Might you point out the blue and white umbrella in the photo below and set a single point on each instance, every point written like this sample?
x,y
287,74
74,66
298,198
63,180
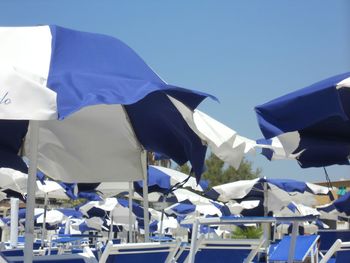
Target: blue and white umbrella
x,y
163,180
91,83
338,208
224,142
117,208
273,194
57,216
312,123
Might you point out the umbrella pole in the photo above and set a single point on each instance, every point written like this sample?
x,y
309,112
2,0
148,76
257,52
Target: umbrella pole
x,y
31,187
145,197
14,222
293,242
130,212
162,217
110,236
44,222
145,209
266,226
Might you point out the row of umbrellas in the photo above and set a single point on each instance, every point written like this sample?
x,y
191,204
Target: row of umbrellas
x,y
66,88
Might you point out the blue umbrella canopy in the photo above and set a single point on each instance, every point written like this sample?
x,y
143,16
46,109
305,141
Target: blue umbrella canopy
x,y
77,77
312,122
339,207
164,180
279,193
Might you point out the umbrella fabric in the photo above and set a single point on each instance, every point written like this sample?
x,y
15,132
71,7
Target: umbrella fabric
x,y
240,189
103,189
60,72
162,180
222,140
14,184
55,190
305,126
339,207
280,193
116,207
56,216
187,207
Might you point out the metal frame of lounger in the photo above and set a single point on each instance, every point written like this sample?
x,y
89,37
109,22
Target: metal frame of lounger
x,y
254,245
338,245
141,248
235,220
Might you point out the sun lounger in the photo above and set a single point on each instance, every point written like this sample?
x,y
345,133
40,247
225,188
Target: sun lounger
x,y
306,246
328,237
140,252
86,257
221,250
342,251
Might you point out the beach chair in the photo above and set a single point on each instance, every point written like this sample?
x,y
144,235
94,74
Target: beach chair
x,y
342,251
305,247
328,237
86,257
140,252
222,250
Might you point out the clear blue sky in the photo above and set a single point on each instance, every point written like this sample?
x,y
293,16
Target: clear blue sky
x,y
243,52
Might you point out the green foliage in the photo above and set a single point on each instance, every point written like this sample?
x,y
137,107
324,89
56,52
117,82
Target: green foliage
x,y
250,232
218,173
184,169
73,203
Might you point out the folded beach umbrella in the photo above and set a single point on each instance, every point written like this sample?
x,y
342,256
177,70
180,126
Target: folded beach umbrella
x,y
164,180
101,100
312,123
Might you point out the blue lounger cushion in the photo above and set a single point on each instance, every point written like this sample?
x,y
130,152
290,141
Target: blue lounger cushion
x,y
303,245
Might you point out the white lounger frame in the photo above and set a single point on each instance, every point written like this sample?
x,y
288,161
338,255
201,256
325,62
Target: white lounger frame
x,y
338,245
121,249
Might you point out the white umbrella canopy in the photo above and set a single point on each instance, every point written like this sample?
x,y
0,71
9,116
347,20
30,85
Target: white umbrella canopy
x,y
222,140
13,180
52,189
92,84
273,194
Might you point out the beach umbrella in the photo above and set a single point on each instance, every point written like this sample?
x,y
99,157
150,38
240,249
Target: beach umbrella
x,y
338,208
86,84
312,123
224,142
164,180
56,216
273,194
116,208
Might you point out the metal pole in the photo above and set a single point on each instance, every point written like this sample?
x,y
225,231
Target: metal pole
x,y
44,222
131,194
31,187
14,222
162,217
145,195
145,210
194,237
110,236
266,226
293,241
